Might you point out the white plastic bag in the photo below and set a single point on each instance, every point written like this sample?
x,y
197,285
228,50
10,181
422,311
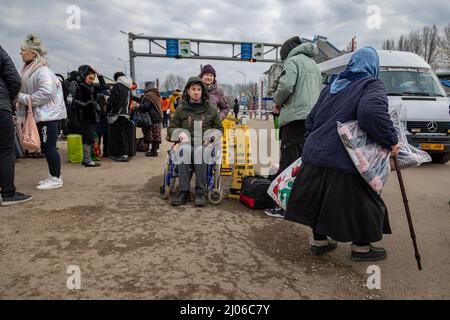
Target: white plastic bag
x,y
409,155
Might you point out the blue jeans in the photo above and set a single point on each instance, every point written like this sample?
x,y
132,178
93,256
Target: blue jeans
x,y
48,132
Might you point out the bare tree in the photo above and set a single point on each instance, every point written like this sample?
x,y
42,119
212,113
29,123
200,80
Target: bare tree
x,y
388,45
445,43
414,43
431,40
228,89
173,82
427,43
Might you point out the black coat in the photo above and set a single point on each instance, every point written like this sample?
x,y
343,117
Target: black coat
x,y
364,100
119,100
148,107
83,104
9,81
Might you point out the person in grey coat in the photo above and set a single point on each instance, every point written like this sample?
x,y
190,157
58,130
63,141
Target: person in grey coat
x,y
9,89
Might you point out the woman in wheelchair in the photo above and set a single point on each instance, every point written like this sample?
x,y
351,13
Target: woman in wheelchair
x,y
196,125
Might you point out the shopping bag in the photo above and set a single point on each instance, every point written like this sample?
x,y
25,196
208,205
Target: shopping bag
x,y
31,141
281,187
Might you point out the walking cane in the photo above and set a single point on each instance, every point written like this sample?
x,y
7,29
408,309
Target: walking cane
x,y
408,213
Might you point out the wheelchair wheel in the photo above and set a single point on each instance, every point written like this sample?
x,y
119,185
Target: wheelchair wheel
x,y
164,189
216,196
164,192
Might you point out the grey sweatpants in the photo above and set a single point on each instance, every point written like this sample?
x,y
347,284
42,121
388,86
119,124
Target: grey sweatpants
x,y
184,157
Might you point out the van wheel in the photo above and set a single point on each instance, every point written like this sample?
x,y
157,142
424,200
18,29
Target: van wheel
x,y
440,157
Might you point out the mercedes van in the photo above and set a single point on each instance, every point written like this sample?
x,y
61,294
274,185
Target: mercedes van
x,y
410,81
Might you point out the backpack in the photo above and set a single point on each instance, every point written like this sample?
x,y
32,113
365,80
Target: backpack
x,y
254,193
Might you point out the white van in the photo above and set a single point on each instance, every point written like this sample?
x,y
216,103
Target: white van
x,y
410,80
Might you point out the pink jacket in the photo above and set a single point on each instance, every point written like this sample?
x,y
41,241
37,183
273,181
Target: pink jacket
x,y
217,99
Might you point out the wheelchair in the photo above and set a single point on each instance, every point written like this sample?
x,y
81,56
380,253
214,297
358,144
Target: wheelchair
x,y
169,186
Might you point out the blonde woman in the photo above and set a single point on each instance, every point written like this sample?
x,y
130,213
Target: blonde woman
x,y
41,85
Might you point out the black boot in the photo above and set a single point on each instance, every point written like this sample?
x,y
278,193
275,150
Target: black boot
x,y
153,152
182,198
200,200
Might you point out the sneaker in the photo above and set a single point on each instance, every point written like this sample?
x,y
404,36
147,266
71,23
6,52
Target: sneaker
x,y
319,250
17,198
44,181
51,183
91,164
121,159
373,254
200,200
275,212
180,199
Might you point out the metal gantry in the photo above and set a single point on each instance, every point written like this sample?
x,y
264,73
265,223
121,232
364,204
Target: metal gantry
x,y
195,50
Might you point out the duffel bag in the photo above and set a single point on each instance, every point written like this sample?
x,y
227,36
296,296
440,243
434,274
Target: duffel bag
x,y
254,193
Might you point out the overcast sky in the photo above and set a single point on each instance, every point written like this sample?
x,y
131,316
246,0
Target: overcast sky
x,y
99,41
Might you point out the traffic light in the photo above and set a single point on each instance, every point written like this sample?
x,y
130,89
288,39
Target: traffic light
x,y
252,60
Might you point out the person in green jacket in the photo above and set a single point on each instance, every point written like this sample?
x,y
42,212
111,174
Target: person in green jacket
x,y
299,88
196,125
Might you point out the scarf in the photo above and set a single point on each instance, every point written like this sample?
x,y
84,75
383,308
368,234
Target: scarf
x,y
29,69
153,96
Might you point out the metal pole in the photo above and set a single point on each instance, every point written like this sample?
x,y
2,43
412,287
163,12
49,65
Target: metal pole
x,y
408,213
131,50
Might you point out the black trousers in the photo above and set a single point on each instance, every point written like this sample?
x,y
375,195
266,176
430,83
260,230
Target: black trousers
x,y
292,140
166,118
7,154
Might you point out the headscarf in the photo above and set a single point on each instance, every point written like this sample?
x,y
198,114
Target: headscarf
x,y
364,63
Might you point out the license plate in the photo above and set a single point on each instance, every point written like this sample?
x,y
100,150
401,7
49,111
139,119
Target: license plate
x,y
432,146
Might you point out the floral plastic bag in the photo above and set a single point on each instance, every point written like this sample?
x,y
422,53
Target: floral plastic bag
x,y
369,158
280,188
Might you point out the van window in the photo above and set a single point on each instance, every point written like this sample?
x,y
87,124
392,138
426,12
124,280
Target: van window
x,y
411,81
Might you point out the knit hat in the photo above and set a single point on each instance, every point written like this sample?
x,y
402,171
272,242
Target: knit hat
x,y
117,75
34,43
207,69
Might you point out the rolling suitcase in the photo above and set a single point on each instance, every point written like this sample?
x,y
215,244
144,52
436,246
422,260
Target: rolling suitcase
x,y
131,139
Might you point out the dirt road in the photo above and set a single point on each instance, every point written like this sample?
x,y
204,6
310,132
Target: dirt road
x,y
129,244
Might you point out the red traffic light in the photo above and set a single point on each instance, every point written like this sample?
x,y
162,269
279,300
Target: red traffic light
x,y
252,60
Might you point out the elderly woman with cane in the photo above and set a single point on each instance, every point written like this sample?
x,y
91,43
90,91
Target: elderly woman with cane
x,y
329,195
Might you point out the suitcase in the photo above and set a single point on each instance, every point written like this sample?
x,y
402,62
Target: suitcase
x,y
130,134
131,137
254,193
